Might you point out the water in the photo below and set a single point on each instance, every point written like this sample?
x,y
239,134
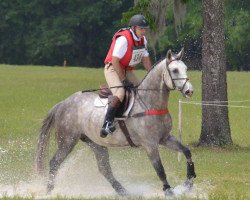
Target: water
x,y
79,177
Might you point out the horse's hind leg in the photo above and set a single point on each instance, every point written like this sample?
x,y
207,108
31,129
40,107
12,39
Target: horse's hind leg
x,y
172,143
102,157
63,151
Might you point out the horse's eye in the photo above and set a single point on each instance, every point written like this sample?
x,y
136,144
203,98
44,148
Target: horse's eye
x,y
175,71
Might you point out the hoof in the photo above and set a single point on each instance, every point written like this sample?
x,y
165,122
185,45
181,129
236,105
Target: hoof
x,y
123,193
169,192
120,190
188,183
49,188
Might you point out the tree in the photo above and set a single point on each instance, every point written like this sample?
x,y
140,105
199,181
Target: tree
x,y
215,123
12,23
237,34
183,31
155,12
78,31
158,10
47,31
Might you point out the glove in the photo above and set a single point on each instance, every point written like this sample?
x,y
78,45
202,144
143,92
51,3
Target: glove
x,y
127,85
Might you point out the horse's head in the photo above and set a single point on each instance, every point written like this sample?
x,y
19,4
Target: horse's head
x,y
175,75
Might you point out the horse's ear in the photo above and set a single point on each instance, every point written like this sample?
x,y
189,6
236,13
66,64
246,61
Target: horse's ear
x,y
169,56
180,54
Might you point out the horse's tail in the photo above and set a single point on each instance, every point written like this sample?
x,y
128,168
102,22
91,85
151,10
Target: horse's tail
x,y
43,140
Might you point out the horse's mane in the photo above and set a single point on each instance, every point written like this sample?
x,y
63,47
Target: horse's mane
x,y
152,68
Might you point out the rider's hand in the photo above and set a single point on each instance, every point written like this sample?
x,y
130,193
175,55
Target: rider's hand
x,y
127,84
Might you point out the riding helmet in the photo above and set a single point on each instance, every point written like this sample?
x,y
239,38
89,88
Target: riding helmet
x,y
138,20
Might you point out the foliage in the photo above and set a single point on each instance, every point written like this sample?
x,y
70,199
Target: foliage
x,y
188,37
237,34
49,31
141,7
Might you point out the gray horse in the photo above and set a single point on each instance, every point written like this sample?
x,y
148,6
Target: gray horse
x,y
76,118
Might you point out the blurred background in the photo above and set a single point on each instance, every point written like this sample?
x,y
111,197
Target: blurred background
x,y
79,32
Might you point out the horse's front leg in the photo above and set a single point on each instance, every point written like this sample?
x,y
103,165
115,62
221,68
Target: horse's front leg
x,y
172,143
154,157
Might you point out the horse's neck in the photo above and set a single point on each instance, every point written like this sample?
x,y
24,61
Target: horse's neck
x,y
153,90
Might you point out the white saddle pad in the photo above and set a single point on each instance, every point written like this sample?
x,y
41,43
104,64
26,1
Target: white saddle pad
x,y
103,102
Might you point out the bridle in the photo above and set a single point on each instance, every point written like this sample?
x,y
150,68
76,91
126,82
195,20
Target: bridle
x,y
174,79
167,70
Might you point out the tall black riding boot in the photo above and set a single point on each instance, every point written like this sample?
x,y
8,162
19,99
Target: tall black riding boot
x,y
108,126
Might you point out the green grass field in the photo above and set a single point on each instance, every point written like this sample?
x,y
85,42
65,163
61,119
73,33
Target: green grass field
x,y
28,92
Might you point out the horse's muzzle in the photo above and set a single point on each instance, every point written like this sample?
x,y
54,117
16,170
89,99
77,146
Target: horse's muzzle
x,y
188,93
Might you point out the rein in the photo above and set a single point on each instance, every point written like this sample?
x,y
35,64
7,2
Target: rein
x,y
148,89
98,89
162,111
135,88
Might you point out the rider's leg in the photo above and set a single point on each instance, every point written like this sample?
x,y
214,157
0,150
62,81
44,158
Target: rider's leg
x,y
114,82
132,77
118,92
108,126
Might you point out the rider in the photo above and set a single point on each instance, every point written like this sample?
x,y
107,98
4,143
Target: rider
x,y
128,49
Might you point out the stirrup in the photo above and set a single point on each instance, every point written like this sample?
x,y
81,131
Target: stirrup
x,y
108,128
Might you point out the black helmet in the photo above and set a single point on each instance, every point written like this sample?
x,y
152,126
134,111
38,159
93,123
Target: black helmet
x,y
138,20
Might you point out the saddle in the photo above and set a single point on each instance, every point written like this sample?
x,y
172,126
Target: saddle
x,y
123,111
105,96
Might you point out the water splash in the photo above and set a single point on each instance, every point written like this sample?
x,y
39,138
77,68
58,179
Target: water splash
x,y
79,178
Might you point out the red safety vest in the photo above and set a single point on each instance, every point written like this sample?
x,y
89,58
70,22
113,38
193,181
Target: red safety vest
x,y
125,60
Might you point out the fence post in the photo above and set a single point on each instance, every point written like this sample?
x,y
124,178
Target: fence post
x,y
180,126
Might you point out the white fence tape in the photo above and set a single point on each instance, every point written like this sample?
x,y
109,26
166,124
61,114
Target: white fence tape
x,y
204,103
216,103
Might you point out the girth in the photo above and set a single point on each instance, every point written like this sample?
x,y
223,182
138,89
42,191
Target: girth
x,y
126,133
105,92
141,114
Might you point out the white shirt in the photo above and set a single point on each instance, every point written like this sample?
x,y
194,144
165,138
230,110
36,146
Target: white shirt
x,y
121,45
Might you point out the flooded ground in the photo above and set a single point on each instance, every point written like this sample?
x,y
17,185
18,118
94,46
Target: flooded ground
x,y
79,178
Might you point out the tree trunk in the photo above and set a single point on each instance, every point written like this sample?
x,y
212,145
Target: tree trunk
x,y
215,123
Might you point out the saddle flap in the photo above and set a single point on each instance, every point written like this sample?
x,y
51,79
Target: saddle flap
x,y
124,109
127,104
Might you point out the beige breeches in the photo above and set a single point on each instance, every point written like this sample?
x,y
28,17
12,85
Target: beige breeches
x,y
113,80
